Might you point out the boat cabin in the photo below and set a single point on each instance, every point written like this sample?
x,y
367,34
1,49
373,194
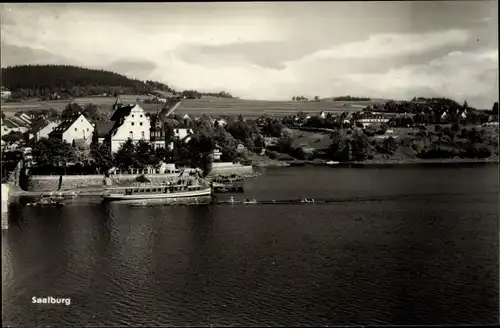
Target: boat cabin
x,y
157,189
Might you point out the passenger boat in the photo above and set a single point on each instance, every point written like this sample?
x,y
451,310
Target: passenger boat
x,y
181,189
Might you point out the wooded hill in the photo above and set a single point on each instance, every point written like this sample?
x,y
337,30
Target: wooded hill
x,y
50,82
66,81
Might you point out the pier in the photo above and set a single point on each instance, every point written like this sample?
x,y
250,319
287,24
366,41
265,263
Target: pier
x,y
220,187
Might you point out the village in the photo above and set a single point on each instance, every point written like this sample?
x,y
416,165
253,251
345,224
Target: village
x,y
239,140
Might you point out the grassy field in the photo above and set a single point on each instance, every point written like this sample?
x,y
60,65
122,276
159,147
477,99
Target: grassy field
x,y
206,105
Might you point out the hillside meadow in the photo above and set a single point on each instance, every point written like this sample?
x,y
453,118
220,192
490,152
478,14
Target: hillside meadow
x,y
206,105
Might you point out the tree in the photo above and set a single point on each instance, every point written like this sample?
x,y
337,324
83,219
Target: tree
x,y
494,109
145,154
82,154
390,145
202,145
70,110
316,98
13,136
293,98
101,156
125,157
95,113
361,149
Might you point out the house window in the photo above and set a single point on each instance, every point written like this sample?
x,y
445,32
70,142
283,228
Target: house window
x,y
132,123
76,129
131,135
142,134
140,123
87,129
132,115
141,115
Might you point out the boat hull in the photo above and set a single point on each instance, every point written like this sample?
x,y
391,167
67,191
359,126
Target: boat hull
x,y
159,196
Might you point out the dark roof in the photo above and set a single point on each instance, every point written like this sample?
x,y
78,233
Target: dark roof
x,y
65,125
40,124
103,129
122,111
18,121
8,123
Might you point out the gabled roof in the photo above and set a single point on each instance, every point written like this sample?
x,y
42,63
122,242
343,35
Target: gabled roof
x,y
19,122
121,112
66,124
103,129
40,124
11,125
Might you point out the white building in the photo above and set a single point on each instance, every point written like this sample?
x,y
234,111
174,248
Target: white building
x,y
10,125
130,122
183,134
74,128
217,154
370,119
42,128
22,118
5,93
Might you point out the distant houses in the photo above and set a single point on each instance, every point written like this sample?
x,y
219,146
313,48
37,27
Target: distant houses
x,y
20,122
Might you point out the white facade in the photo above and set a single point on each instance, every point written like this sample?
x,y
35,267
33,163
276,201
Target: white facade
x,y
182,133
368,121
323,115
44,133
217,154
81,128
11,126
6,94
135,126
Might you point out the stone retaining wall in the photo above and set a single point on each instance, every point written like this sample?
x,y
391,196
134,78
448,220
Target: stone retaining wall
x,y
51,182
248,169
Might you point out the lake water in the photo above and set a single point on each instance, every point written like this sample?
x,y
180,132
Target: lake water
x,y
403,245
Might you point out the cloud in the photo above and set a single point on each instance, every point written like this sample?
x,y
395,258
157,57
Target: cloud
x,y
462,75
391,45
269,51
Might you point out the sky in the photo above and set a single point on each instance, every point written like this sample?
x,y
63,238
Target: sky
x,y
273,51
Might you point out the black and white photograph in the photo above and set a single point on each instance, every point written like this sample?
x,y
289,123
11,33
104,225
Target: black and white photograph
x,y
258,164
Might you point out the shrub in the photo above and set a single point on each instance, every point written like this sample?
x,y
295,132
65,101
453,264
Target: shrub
x,y
142,178
272,154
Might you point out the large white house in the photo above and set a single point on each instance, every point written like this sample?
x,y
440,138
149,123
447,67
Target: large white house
x,y
130,122
76,127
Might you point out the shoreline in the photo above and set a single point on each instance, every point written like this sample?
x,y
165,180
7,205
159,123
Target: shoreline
x,y
97,190
382,162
